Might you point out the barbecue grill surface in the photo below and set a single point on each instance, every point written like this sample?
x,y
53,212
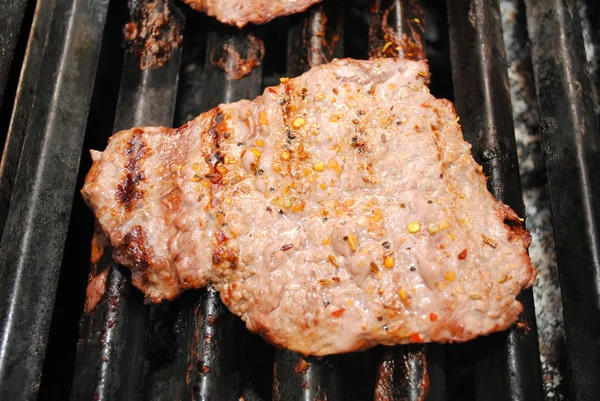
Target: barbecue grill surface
x,y
66,84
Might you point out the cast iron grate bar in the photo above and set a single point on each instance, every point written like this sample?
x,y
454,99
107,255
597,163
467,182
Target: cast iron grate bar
x,y
507,365
31,251
313,39
112,338
571,142
227,77
23,101
226,80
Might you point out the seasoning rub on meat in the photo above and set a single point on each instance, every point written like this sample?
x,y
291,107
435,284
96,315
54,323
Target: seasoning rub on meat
x,y
339,210
242,12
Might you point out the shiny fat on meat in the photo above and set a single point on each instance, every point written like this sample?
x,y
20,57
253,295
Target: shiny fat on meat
x,y
339,210
242,12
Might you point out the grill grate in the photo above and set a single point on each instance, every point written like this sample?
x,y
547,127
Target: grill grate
x,y
482,100
571,138
193,348
37,220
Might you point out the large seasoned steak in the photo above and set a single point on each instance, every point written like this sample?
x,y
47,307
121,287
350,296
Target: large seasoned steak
x,y
242,12
339,210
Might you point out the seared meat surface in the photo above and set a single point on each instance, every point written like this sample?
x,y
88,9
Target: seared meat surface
x,y
242,12
339,210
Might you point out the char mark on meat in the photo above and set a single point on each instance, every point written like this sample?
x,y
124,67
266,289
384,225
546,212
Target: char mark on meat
x,y
128,192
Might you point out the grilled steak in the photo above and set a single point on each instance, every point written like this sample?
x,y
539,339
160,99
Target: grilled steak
x,y
242,12
339,210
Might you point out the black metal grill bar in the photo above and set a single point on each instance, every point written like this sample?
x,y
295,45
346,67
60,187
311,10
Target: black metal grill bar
x,y
32,245
507,364
173,349
412,373
305,378
222,84
402,374
147,98
112,338
110,360
23,101
571,142
436,369
313,39
218,378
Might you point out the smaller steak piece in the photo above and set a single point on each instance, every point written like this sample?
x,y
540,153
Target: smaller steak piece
x,y
339,210
242,12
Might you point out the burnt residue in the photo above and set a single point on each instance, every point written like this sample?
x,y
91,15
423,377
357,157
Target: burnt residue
x,y
128,192
305,377
396,30
402,374
238,61
217,376
302,366
155,31
316,38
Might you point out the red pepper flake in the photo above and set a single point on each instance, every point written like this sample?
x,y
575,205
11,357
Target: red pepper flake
x,y
336,279
216,258
286,247
433,316
338,313
214,178
463,254
416,338
221,237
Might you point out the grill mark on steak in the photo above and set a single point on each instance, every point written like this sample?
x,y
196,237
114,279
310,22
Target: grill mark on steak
x,y
128,192
224,254
285,105
136,245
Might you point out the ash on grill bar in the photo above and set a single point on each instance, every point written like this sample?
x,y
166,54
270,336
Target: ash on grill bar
x,y
67,82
